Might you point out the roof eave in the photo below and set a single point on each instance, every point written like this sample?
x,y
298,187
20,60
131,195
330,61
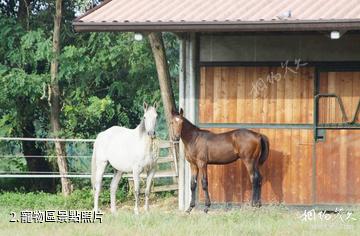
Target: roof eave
x,y
259,26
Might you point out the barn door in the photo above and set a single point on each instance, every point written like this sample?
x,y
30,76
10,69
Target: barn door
x,y
337,137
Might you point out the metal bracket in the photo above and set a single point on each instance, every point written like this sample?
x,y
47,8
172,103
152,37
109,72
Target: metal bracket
x,y
346,124
320,135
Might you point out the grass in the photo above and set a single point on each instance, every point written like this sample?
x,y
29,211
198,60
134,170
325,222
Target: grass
x,y
165,219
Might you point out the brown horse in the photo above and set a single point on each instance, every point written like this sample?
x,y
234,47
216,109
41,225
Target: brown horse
x,y
203,147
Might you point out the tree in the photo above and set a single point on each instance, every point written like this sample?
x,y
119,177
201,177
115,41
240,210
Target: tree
x,y
158,49
22,56
102,78
24,13
55,101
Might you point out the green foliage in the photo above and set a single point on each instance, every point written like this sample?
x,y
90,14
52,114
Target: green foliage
x,y
23,72
104,79
79,199
101,69
82,116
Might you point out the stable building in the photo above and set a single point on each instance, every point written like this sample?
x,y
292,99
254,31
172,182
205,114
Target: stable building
x,y
289,69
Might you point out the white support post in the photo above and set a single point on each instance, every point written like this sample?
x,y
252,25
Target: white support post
x,y
191,65
187,98
189,77
182,161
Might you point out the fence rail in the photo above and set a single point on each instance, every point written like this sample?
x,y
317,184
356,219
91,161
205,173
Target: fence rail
x,y
47,139
157,175
31,156
31,174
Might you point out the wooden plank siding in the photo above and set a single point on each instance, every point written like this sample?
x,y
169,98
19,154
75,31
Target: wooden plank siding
x,y
338,157
337,166
287,175
227,95
346,85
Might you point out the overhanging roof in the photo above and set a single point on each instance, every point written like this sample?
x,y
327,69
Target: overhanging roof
x,y
221,15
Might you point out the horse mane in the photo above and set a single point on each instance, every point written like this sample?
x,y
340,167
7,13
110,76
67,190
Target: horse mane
x,y
189,130
141,127
189,124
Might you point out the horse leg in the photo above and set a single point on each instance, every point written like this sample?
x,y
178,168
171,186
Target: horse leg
x,y
194,176
149,178
258,182
100,168
136,177
204,184
255,179
113,188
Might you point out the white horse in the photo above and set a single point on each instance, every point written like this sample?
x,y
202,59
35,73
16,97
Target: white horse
x,y
127,150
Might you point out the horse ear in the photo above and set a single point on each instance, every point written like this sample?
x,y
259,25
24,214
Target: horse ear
x,y
181,112
145,106
156,105
173,112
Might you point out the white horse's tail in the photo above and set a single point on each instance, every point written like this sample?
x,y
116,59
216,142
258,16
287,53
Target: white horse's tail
x,y
93,167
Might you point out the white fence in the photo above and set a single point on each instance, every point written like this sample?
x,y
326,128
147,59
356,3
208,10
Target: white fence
x,y
31,174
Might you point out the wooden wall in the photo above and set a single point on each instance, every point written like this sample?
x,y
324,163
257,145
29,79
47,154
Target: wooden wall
x,y
344,84
338,157
338,167
287,174
225,97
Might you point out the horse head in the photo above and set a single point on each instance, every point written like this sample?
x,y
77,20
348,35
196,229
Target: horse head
x,y
150,117
177,120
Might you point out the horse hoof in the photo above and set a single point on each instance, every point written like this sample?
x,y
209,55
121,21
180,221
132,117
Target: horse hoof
x,y
188,210
206,210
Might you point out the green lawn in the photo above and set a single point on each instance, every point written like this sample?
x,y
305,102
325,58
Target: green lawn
x,y
165,219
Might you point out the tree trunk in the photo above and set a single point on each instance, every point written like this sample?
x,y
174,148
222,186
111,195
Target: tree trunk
x,y
55,101
26,117
167,95
23,13
158,49
36,163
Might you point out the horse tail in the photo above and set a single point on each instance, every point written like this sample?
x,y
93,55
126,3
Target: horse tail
x,y
264,149
93,166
